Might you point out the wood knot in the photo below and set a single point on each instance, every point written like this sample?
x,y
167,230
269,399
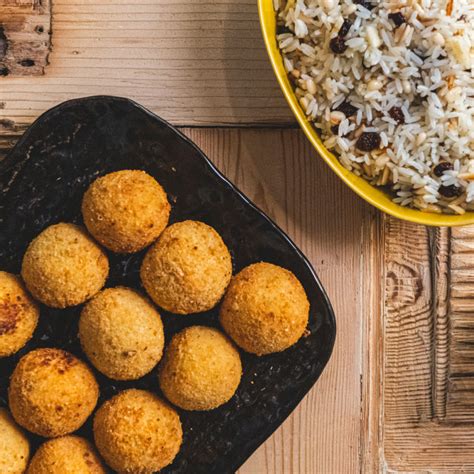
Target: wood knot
x,y
404,285
3,43
26,63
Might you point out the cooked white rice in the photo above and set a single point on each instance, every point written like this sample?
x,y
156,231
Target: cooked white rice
x,y
406,68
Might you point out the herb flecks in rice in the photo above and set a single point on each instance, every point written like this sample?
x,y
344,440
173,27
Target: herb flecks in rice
x,y
390,86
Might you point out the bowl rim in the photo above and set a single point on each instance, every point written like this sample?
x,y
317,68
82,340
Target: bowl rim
x,y
363,188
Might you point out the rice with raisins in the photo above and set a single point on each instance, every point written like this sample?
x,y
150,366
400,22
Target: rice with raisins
x,y
390,87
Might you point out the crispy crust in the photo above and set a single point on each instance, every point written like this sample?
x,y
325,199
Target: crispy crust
x,y
126,210
52,392
137,433
121,333
14,446
265,309
201,369
66,455
188,269
63,266
18,315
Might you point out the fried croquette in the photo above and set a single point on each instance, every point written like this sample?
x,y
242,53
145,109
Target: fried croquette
x,y
52,392
18,315
126,210
188,269
136,432
201,369
121,333
63,266
66,455
265,309
14,446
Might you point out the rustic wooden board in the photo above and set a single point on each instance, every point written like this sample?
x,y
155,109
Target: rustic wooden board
x,y
24,37
428,385
194,63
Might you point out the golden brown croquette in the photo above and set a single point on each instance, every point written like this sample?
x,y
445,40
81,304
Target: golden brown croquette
x,y
63,266
137,433
188,269
265,309
14,446
121,333
66,455
18,315
52,392
126,210
201,369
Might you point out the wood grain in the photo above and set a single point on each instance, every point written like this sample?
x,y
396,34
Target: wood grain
x,y
24,37
460,401
428,367
193,63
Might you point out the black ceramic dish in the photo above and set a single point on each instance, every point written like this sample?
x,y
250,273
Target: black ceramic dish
x,y
42,182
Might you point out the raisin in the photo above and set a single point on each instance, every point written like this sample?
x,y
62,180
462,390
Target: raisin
x,y
365,4
397,18
4,71
441,168
449,191
338,45
281,29
347,109
421,55
335,129
397,114
346,26
368,141
26,63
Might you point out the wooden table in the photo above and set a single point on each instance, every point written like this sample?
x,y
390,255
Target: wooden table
x,y
398,394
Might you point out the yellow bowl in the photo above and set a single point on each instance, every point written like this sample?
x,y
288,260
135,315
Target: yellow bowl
x,y
370,193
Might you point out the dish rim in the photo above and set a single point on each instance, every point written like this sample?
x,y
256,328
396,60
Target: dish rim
x,y
245,453
374,196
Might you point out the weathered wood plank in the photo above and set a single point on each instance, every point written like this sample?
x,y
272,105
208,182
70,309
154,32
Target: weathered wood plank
x,y
440,259
371,441
408,328
428,387
24,37
195,63
460,402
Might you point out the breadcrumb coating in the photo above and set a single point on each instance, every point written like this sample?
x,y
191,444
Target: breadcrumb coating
x,y
201,369
66,455
121,333
14,446
18,315
137,433
126,210
188,269
63,266
52,392
265,309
